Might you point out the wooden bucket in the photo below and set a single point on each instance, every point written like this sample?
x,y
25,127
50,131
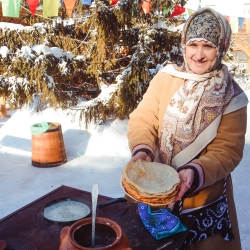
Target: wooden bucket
x,y
48,148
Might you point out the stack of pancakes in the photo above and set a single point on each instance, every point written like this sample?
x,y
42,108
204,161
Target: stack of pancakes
x,y
152,183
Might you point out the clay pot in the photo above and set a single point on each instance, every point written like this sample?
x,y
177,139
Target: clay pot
x,y
108,234
3,245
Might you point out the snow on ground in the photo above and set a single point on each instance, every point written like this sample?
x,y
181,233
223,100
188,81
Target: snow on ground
x,y
94,156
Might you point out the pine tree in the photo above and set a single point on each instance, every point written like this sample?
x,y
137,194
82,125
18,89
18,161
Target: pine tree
x,y
70,63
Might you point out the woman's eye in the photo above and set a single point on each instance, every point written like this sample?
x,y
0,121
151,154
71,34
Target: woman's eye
x,y
208,46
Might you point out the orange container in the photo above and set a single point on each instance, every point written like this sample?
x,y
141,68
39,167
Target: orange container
x,y
72,237
48,148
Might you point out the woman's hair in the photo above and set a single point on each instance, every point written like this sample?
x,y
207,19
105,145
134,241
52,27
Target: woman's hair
x,y
208,25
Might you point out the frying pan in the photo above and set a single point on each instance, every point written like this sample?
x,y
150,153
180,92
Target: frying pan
x,y
66,210
61,209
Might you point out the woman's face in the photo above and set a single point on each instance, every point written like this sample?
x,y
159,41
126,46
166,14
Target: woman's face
x,y
200,56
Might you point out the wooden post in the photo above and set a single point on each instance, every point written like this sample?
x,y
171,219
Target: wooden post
x,y
247,22
247,25
3,111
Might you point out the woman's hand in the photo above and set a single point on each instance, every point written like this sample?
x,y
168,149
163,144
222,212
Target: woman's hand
x,y
187,178
141,155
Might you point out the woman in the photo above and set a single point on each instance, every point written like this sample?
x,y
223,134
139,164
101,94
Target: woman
x,y
194,118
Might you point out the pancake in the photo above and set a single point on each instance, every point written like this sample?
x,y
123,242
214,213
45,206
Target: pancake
x,y
150,182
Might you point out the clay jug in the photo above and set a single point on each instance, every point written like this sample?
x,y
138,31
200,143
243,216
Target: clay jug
x,y
108,234
3,245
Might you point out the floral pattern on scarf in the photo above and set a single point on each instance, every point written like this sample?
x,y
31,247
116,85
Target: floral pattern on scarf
x,y
192,109
197,103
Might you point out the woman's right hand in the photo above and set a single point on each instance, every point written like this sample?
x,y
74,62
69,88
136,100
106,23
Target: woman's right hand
x,y
141,155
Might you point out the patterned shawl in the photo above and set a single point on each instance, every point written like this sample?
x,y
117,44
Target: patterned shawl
x,y
194,113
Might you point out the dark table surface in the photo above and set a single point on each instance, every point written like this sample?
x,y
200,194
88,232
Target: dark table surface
x,y
27,229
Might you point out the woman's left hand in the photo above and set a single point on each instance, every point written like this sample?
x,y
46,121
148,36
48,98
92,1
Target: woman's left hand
x,y
187,178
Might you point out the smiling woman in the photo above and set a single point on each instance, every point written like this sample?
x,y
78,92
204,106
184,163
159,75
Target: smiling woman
x,y
193,118
200,56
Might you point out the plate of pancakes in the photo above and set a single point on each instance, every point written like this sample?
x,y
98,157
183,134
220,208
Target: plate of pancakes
x,y
152,183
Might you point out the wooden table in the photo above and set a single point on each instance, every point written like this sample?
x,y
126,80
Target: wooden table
x,y
27,229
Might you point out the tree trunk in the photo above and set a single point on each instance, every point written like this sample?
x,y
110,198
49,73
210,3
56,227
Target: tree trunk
x,y
3,111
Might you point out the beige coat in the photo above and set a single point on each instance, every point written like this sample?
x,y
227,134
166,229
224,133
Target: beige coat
x,y
218,159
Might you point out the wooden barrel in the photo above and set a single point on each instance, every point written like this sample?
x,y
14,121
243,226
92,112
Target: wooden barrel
x,y
48,148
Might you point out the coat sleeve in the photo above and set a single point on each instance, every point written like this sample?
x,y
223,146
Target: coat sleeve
x,y
143,124
225,152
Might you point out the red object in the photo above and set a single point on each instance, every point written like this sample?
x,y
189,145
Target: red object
x,y
113,2
228,18
3,244
178,10
146,6
33,4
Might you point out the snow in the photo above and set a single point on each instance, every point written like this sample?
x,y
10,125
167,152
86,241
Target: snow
x,y
97,155
4,51
5,26
159,25
94,156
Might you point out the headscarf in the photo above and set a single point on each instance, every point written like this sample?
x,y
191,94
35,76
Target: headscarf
x,y
194,113
208,25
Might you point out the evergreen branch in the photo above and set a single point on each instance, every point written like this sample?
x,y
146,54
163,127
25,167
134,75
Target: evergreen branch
x,y
84,38
63,81
115,70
